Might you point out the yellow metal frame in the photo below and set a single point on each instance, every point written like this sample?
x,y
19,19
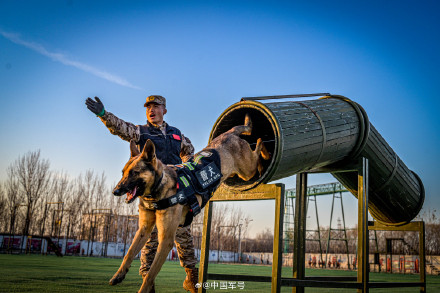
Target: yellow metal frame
x,y
299,281
416,226
262,192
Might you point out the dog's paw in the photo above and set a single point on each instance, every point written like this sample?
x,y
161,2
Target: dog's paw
x,y
116,279
147,289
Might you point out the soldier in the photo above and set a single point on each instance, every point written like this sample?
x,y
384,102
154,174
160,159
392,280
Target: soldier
x,y
171,148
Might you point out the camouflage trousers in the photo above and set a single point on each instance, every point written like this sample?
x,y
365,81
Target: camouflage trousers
x,y
184,245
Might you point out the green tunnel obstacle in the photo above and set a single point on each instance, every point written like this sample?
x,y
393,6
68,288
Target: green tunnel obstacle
x,y
327,134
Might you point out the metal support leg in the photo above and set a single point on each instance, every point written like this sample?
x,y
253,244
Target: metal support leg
x,y
204,255
422,266
278,243
329,237
299,236
363,235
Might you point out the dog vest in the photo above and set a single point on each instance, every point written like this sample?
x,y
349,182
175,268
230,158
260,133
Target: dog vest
x,y
167,146
200,175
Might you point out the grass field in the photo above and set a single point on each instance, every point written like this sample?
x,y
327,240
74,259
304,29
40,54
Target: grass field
x,y
35,273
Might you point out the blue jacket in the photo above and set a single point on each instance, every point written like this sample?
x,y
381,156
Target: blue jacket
x,y
167,146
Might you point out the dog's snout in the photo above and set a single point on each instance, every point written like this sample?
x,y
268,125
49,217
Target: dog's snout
x,y
117,192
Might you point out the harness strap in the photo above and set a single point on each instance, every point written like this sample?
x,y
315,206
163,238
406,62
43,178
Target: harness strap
x,y
194,178
170,201
183,196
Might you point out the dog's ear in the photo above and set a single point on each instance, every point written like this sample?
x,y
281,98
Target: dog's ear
x,y
134,149
149,151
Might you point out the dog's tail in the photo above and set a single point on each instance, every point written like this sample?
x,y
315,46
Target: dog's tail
x,y
248,121
245,129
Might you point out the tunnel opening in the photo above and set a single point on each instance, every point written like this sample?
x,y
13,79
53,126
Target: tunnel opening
x,y
263,126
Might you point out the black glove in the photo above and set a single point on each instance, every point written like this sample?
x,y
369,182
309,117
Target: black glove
x,y
96,107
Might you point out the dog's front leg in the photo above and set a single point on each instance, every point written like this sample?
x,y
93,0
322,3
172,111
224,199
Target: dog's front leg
x,y
146,224
166,223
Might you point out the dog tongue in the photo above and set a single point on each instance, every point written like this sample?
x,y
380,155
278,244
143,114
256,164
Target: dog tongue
x,y
130,195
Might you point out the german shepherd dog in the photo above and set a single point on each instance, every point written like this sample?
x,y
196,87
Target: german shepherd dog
x,y
146,177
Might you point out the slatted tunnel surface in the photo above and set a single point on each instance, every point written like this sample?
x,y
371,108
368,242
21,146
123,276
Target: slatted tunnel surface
x,y
332,131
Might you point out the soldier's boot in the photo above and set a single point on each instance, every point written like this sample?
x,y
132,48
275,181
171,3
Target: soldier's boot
x,y
192,278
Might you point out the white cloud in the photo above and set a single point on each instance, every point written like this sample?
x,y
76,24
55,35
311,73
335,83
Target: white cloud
x,y
15,38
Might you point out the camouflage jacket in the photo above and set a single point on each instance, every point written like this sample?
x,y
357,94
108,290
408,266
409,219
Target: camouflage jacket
x,y
128,131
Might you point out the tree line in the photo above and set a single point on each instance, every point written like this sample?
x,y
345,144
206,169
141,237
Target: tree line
x,y
35,200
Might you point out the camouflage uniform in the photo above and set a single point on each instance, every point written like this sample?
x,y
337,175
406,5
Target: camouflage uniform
x,y
184,241
184,245
128,131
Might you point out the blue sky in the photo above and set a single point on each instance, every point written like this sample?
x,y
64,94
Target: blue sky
x,y
204,56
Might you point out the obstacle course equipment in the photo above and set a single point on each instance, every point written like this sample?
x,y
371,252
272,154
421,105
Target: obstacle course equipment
x,y
329,134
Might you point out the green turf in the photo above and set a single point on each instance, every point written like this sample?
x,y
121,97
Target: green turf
x,y
35,273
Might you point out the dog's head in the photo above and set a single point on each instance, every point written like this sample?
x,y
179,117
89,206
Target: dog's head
x,y
141,174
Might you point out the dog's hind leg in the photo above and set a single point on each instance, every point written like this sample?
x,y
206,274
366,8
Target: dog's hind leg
x,y
250,162
146,224
261,149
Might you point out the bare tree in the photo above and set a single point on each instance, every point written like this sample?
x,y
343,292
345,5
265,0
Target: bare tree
x,y
226,222
264,241
93,195
11,190
93,188
69,192
432,232
28,194
3,208
59,192
33,176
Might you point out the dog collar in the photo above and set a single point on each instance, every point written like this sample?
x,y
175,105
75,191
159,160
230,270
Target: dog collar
x,y
156,184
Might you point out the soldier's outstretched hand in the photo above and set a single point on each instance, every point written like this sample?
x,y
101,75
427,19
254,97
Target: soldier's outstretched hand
x,y
96,106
